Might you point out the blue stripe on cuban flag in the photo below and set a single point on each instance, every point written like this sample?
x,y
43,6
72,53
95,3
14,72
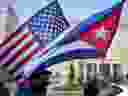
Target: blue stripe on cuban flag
x,y
84,25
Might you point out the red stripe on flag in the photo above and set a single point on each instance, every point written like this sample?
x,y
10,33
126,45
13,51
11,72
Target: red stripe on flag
x,y
23,49
22,38
29,57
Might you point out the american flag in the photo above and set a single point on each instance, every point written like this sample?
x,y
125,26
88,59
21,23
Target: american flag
x,y
101,27
45,26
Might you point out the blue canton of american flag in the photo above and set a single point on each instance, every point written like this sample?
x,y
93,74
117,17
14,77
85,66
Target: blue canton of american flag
x,y
48,23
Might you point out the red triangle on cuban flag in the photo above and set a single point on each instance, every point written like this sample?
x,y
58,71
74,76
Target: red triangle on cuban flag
x,y
99,29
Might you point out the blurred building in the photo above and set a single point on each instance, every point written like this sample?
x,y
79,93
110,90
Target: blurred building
x,y
115,71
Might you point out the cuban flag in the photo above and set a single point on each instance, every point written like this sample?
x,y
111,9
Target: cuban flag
x,y
100,28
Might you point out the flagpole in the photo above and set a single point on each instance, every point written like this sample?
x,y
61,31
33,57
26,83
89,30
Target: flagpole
x,y
115,27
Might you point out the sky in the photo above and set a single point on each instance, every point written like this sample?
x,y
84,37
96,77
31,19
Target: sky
x,y
73,8
70,7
